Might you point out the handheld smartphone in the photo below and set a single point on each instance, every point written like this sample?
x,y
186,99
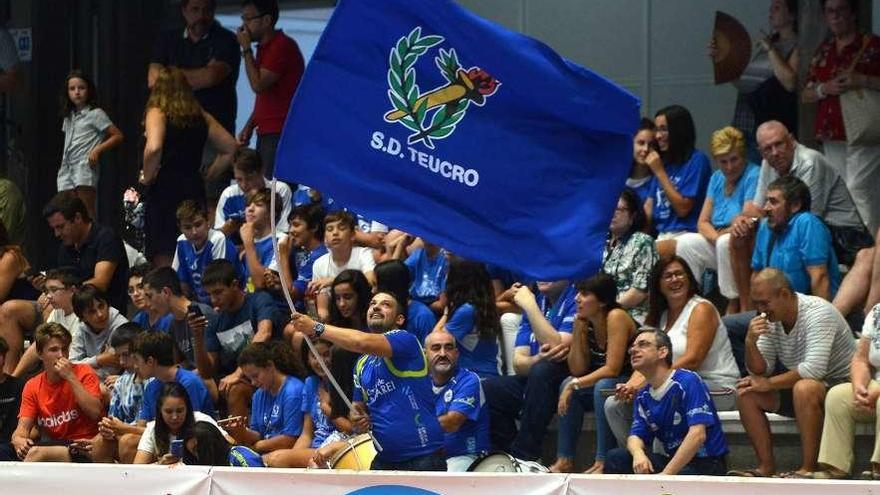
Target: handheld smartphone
x,y
177,448
194,309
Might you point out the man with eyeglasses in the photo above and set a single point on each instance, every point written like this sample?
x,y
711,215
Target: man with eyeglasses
x,y
274,74
676,409
19,318
831,200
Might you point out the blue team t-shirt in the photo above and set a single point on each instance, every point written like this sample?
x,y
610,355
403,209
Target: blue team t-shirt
x,y
804,242
142,318
560,315
280,414
464,394
241,456
190,262
476,354
691,180
311,404
198,394
683,402
231,332
400,400
726,208
428,275
125,401
420,320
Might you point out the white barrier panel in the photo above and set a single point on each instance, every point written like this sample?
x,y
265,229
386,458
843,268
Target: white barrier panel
x,y
108,479
18,478
231,481
711,485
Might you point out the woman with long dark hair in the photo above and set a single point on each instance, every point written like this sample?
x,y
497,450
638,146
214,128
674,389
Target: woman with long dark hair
x,y
640,174
13,266
471,316
206,446
630,254
350,294
597,362
681,175
174,419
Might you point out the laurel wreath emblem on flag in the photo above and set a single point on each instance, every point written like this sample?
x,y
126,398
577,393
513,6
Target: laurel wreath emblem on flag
x,y
449,103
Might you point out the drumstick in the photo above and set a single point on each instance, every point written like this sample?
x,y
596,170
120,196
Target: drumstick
x,y
286,290
225,421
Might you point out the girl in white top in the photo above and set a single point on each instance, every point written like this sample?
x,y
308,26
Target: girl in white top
x,y
174,419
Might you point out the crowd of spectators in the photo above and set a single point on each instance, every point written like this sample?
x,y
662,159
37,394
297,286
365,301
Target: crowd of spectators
x,y
754,288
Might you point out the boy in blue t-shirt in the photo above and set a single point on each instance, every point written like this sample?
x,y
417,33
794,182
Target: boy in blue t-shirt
x,y
298,251
147,317
153,356
676,409
256,237
428,266
197,246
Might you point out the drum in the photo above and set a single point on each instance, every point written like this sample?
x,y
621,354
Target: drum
x,y
357,455
502,462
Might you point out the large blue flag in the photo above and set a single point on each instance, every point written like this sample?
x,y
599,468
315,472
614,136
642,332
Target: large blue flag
x,y
427,118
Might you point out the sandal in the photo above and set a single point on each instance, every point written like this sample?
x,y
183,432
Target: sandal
x,y
748,473
798,475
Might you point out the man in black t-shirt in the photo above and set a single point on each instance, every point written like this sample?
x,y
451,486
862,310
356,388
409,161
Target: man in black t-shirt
x,y
10,401
94,250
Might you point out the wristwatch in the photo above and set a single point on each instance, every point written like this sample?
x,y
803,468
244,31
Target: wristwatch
x,y
575,385
319,329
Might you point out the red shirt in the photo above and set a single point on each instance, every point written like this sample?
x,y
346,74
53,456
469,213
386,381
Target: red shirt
x,y
826,65
54,408
280,55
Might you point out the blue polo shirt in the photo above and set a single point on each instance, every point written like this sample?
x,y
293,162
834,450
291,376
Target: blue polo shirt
x,y
400,400
476,354
428,275
560,315
691,180
804,242
198,394
668,412
279,414
725,208
464,394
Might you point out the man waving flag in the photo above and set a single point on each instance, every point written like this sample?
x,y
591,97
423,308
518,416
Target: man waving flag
x,y
427,118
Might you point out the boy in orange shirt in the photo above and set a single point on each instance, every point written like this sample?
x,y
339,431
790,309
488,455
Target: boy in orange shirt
x,y
64,401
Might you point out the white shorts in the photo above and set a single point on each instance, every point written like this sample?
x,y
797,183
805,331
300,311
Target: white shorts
x,y
77,175
701,255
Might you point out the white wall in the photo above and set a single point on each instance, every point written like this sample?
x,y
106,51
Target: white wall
x,y
654,48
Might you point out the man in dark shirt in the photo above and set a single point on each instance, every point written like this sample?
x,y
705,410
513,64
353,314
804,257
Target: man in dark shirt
x,y
10,401
94,250
208,56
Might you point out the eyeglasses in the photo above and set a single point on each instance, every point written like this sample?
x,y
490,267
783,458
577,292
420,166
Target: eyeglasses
x,y
52,290
641,344
670,276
